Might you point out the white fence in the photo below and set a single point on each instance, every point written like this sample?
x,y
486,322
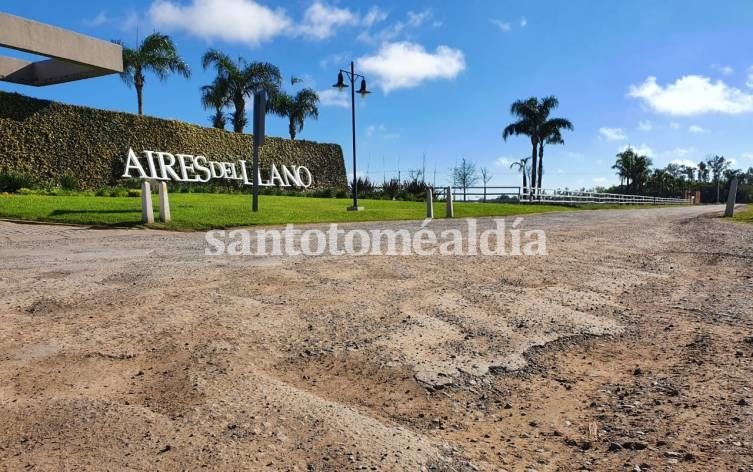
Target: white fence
x,y
526,195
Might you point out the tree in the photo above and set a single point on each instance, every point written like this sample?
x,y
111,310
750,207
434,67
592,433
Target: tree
x,y
296,108
214,97
534,122
550,130
633,169
717,165
464,175
703,172
523,168
242,79
527,125
156,54
486,177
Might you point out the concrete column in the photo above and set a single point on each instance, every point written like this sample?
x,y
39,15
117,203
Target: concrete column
x,y
450,210
429,204
164,203
729,211
147,213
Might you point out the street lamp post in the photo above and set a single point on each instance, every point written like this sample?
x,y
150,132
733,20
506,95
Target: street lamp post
x,y
362,90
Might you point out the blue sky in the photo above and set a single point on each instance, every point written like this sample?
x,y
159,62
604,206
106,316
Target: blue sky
x,y
672,78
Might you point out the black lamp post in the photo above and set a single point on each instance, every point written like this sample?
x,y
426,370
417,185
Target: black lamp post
x,y
341,85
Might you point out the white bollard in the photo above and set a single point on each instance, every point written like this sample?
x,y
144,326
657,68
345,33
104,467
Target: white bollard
x,y
147,213
429,204
450,210
164,203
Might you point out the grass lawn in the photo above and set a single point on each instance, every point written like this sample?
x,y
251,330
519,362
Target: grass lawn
x,y
200,211
745,215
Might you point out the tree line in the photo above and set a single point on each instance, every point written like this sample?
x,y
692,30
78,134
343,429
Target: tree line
x,y
711,177
236,82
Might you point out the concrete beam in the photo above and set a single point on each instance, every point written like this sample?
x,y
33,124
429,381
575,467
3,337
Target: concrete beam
x,y
73,56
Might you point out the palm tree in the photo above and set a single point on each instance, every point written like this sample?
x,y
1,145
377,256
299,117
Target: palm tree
x,y
214,97
296,108
550,130
527,125
156,54
522,166
534,122
243,79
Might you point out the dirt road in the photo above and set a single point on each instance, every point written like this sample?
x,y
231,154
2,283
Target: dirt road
x,y
628,347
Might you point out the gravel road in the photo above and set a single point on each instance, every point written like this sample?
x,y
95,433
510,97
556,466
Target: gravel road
x,y
628,347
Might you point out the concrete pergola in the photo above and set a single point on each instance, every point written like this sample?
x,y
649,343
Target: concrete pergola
x,y
72,56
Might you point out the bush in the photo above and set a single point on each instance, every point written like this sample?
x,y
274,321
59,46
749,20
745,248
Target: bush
x,y
12,181
119,192
69,181
134,192
26,191
104,192
391,188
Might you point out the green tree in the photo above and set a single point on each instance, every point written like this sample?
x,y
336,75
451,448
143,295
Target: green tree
x,y
533,121
523,168
242,80
296,108
717,165
215,97
156,54
633,169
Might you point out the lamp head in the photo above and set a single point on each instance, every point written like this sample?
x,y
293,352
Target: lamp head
x,y
363,90
340,82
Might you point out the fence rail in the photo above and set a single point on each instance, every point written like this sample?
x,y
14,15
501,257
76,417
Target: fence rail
x,y
525,195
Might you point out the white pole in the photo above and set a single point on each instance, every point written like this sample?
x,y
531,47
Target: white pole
x,y
147,213
164,203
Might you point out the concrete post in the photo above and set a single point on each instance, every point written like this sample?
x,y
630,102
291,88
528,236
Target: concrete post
x,y
164,203
147,213
729,211
450,210
429,204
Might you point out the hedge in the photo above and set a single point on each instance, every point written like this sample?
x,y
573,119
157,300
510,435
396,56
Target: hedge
x,y
48,139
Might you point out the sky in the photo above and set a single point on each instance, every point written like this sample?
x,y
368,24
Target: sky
x,y
673,79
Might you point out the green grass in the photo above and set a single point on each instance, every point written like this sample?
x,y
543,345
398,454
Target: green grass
x,y
198,211
745,215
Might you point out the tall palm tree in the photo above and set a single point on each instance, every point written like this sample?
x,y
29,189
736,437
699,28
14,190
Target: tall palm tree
x,y
296,108
243,79
156,54
550,130
214,96
534,122
527,125
522,166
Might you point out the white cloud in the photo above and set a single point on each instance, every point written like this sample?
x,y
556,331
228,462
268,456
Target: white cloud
x,y
320,21
692,95
502,25
674,125
613,134
333,98
724,70
642,150
238,21
684,162
678,152
560,171
405,64
645,125
98,20
412,20
382,132
373,16
749,82
600,180
505,161
523,22
747,155
697,129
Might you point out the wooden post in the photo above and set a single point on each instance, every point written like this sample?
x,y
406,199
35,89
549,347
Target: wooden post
x,y
147,213
429,204
730,210
164,203
450,210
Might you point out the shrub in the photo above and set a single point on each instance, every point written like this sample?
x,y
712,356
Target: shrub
x,y
69,181
103,192
26,191
119,192
134,192
391,188
12,181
